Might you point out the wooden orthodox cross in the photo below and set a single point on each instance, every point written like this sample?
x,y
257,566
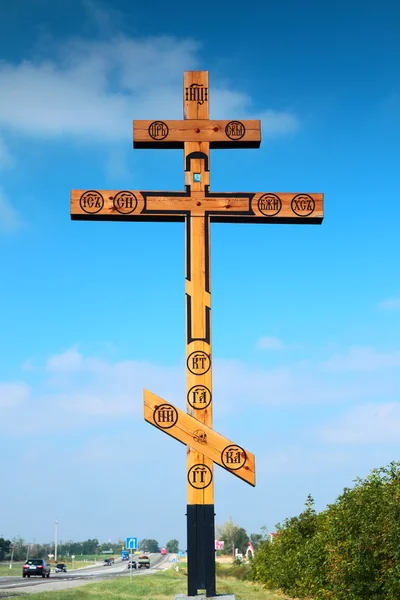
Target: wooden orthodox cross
x,y
197,207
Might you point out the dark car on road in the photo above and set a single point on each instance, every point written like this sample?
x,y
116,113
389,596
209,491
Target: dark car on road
x,y
61,568
133,563
108,562
36,566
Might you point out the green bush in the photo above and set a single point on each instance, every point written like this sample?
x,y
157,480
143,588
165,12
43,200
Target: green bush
x,y
364,538
350,551
237,570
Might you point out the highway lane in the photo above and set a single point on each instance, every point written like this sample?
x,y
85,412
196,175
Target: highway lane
x,y
75,577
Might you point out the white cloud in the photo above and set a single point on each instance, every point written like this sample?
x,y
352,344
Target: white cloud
x,y
6,160
68,361
363,358
302,383
13,395
390,304
10,221
275,123
270,343
74,391
365,424
92,408
106,18
92,90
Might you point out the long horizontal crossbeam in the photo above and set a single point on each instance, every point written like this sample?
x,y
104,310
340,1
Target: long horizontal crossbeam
x,y
227,207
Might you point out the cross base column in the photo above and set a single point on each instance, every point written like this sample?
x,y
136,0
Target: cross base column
x,y
203,597
201,549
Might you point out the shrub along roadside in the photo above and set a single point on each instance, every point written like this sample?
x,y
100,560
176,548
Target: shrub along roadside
x,y
237,571
350,551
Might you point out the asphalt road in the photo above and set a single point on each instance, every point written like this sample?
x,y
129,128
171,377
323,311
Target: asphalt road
x,y
73,578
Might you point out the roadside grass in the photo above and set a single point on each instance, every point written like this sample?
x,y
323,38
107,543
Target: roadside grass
x,y
78,564
97,557
162,586
15,570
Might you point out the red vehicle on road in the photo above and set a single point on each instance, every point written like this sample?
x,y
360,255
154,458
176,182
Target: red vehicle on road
x,y
163,551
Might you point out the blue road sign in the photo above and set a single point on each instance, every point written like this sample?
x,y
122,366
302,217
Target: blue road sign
x,y
131,543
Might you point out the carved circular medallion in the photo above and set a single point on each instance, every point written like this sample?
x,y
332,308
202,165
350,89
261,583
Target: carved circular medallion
x,y
233,457
303,205
199,397
198,362
125,202
165,416
199,476
269,205
158,130
235,130
91,202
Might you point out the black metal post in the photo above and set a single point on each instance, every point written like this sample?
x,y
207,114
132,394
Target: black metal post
x,y
201,549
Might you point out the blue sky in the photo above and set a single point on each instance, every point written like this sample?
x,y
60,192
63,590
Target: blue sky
x,y
305,319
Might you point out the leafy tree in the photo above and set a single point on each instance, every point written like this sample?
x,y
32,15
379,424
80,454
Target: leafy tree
x,y
350,551
231,534
19,546
256,539
364,538
149,546
105,546
75,548
242,540
5,547
90,546
295,561
172,546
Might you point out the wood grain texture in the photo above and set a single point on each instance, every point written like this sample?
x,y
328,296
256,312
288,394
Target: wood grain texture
x,y
196,164
173,134
198,345
228,207
198,207
200,437
196,95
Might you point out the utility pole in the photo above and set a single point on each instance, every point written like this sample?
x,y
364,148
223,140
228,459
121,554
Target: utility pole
x,y
55,539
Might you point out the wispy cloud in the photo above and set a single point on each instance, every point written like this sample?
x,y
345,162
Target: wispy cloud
x,y
390,304
92,406
363,358
270,343
74,391
69,361
277,123
365,424
106,18
12,395
92,90
6,159
10,221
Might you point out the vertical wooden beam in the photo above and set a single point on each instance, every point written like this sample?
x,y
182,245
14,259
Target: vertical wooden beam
x,y
200,488
200,470
195,95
